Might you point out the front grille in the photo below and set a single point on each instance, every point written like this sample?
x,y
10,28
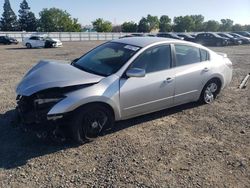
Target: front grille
x,y
30,112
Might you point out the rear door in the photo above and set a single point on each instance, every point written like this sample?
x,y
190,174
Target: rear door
x,y
192,69
154,91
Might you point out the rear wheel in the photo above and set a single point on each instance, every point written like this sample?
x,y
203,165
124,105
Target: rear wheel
x,y
210,91
28,45
89,122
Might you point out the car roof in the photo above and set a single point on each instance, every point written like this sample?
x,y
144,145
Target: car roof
x,y
144,41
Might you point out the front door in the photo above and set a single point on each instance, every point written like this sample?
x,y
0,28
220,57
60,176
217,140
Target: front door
x,y
153,92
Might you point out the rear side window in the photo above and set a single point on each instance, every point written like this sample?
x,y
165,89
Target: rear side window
x,y
186,55
204,55
33,38
154,59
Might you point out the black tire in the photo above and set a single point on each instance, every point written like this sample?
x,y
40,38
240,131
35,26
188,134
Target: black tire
x,y
208,95
89,122
28,45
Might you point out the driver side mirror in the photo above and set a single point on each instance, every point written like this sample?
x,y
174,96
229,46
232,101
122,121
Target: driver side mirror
x,y
136,72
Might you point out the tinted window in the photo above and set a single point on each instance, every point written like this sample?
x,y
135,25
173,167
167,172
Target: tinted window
x,y
186,55
106,59
154,59
204,55
33,38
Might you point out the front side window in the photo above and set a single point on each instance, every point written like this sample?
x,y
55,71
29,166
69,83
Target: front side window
x,y
106,59
154,59
186,55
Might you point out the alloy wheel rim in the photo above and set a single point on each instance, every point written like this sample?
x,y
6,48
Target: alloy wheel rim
x,y
210,91
93,124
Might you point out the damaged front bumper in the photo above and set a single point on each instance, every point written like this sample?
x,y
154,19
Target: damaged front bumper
x,y
33,115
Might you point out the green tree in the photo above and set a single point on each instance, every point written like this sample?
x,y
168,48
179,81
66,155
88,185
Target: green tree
x,y
247,28
8,21
101,25
27,20
56,20
143,25
183,24
198,22
129,27
165,24
211,25
148,24
226,25
237,27
153,22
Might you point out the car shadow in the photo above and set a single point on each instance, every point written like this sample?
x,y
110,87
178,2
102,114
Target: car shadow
x,y
18,147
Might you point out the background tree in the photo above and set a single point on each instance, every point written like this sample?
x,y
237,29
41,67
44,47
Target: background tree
x,y
211,25
165,24
56,20
129,27
148,24
153,22
183,24
117,28
101,25
226,25
8,21
143,25
27,20
198,22
247,28
237,27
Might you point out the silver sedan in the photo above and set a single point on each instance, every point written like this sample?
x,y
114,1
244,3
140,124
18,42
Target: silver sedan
x,y
118,80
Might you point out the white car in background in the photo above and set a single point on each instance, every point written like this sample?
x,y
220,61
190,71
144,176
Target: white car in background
x,y
38,41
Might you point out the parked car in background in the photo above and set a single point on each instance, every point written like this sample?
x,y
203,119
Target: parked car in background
x,y
211,39
38,41
170,35
243,33
118,80
232,40
187,37
8,40
134,35
245,40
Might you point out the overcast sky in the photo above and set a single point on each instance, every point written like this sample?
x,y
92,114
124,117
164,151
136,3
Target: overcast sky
x,y
118,11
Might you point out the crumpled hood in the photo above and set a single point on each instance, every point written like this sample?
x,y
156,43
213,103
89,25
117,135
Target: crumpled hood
x,y
51,74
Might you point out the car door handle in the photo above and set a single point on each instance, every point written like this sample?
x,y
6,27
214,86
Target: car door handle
x,y
206,69
169,80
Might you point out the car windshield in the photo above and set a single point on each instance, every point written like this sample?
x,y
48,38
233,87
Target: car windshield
x,y
106,59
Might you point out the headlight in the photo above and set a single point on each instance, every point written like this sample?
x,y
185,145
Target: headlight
x,y
43,101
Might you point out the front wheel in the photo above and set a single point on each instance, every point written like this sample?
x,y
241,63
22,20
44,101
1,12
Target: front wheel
x,y
210,91
89,122
28,45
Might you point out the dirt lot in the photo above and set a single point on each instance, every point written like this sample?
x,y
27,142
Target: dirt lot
x,y
187,146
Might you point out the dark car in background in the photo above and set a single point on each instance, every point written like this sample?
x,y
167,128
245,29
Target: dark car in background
x,y
243,33
245,40
232,40
170,35
187,37
211,39
8,40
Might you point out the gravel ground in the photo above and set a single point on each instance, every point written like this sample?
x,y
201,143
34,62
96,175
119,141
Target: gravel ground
x,y
186,146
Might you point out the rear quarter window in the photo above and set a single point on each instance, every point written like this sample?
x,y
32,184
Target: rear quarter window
x,y
204,55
